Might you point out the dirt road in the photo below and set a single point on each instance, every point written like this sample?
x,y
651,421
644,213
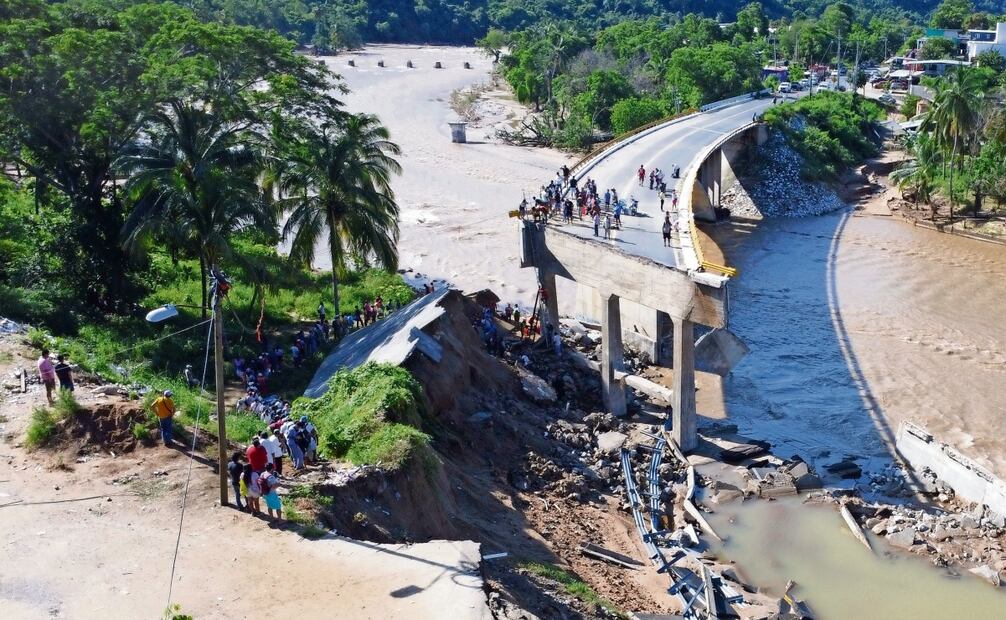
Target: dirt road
x,y
111,556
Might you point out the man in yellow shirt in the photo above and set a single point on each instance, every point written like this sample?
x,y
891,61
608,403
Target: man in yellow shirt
x,y
164,407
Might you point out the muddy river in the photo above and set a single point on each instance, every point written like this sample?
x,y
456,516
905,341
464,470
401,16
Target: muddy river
x,y
858,322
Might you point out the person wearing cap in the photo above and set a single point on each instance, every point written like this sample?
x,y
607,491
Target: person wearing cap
x,y
164,408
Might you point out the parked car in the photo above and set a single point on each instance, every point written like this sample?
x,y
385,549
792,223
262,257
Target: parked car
x,y
805,83
785,87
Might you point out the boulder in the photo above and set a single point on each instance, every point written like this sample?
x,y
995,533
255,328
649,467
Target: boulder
x,y
536,388
808,482
904,539
612,441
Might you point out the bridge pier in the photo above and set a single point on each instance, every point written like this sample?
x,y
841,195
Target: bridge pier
x,y
612,355
550,316
685,430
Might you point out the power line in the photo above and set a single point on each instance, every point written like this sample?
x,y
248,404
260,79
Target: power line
x,y
192,451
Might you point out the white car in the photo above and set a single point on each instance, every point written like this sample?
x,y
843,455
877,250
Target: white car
x,y
785,87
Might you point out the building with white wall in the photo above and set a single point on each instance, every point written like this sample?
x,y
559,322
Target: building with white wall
x,y
984,40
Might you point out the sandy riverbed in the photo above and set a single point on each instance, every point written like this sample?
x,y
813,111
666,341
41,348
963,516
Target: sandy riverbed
x,y
454,197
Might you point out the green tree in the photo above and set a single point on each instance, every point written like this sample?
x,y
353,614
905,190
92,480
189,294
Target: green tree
x,y
493,43
339,187
951,14
937,48
992,59
751,22
838,19
192,184
956,116
634,112
920,172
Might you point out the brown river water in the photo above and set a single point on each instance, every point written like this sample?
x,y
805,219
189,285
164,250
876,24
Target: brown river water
x,y
858,322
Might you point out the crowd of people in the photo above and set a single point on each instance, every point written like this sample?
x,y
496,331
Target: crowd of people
x,y
570,198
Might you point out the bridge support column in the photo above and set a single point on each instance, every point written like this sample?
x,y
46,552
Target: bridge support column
x,y
550,316
611,354
663,354
683,401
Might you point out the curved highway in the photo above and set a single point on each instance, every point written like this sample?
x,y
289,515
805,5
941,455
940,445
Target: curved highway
x,y
675,143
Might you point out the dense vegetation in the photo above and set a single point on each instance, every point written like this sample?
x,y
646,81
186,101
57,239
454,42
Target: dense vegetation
x,y
960,152
142,147
370,415
590,84
336,24
831,130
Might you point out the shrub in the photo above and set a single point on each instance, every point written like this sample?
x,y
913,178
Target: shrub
x,y
141,432
41,428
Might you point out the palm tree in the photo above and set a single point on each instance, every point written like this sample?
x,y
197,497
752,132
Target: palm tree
x,y
956,116
339,187
192,182
919,173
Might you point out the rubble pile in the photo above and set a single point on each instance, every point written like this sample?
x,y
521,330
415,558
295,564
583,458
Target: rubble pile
x,y
774,187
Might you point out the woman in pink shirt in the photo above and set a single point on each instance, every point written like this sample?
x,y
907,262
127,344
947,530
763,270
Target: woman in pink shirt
x,y
47,373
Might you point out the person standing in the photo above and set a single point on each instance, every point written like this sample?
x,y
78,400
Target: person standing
x,y
268,483
275,448
296,454
321,310
257,456
607,226
234,469
250,489
64,373
47,374
661,194
164,408
597,221
641,174
666,229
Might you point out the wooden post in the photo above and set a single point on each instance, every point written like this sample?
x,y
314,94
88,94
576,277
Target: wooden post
x,y
218,358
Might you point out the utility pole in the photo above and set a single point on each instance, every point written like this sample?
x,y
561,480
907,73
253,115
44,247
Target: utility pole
x,y
220,288
855,72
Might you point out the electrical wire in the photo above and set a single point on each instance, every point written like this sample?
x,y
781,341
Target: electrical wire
x,y
145,343
192,451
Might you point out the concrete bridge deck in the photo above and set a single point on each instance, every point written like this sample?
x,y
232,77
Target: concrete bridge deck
x,y
676,143
643,292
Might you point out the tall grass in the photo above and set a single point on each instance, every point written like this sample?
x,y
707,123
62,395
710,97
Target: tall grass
x,y
370,415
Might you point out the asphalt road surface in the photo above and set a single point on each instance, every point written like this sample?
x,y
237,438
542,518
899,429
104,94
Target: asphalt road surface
x,y
677,144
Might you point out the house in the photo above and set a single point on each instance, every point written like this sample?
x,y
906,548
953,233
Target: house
x,y
984,40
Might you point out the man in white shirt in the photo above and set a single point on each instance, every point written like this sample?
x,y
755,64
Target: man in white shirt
x,y
274,450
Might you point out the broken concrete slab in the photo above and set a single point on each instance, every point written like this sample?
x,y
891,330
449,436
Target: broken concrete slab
x,y
719,351
904,539
612,441
987,573
742,452
968,479
847,469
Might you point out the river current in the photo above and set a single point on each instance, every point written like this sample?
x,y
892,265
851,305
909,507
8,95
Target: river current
x,y
858,322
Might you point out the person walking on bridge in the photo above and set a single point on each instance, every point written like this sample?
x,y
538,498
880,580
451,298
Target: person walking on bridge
x,y
641,173
666,229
